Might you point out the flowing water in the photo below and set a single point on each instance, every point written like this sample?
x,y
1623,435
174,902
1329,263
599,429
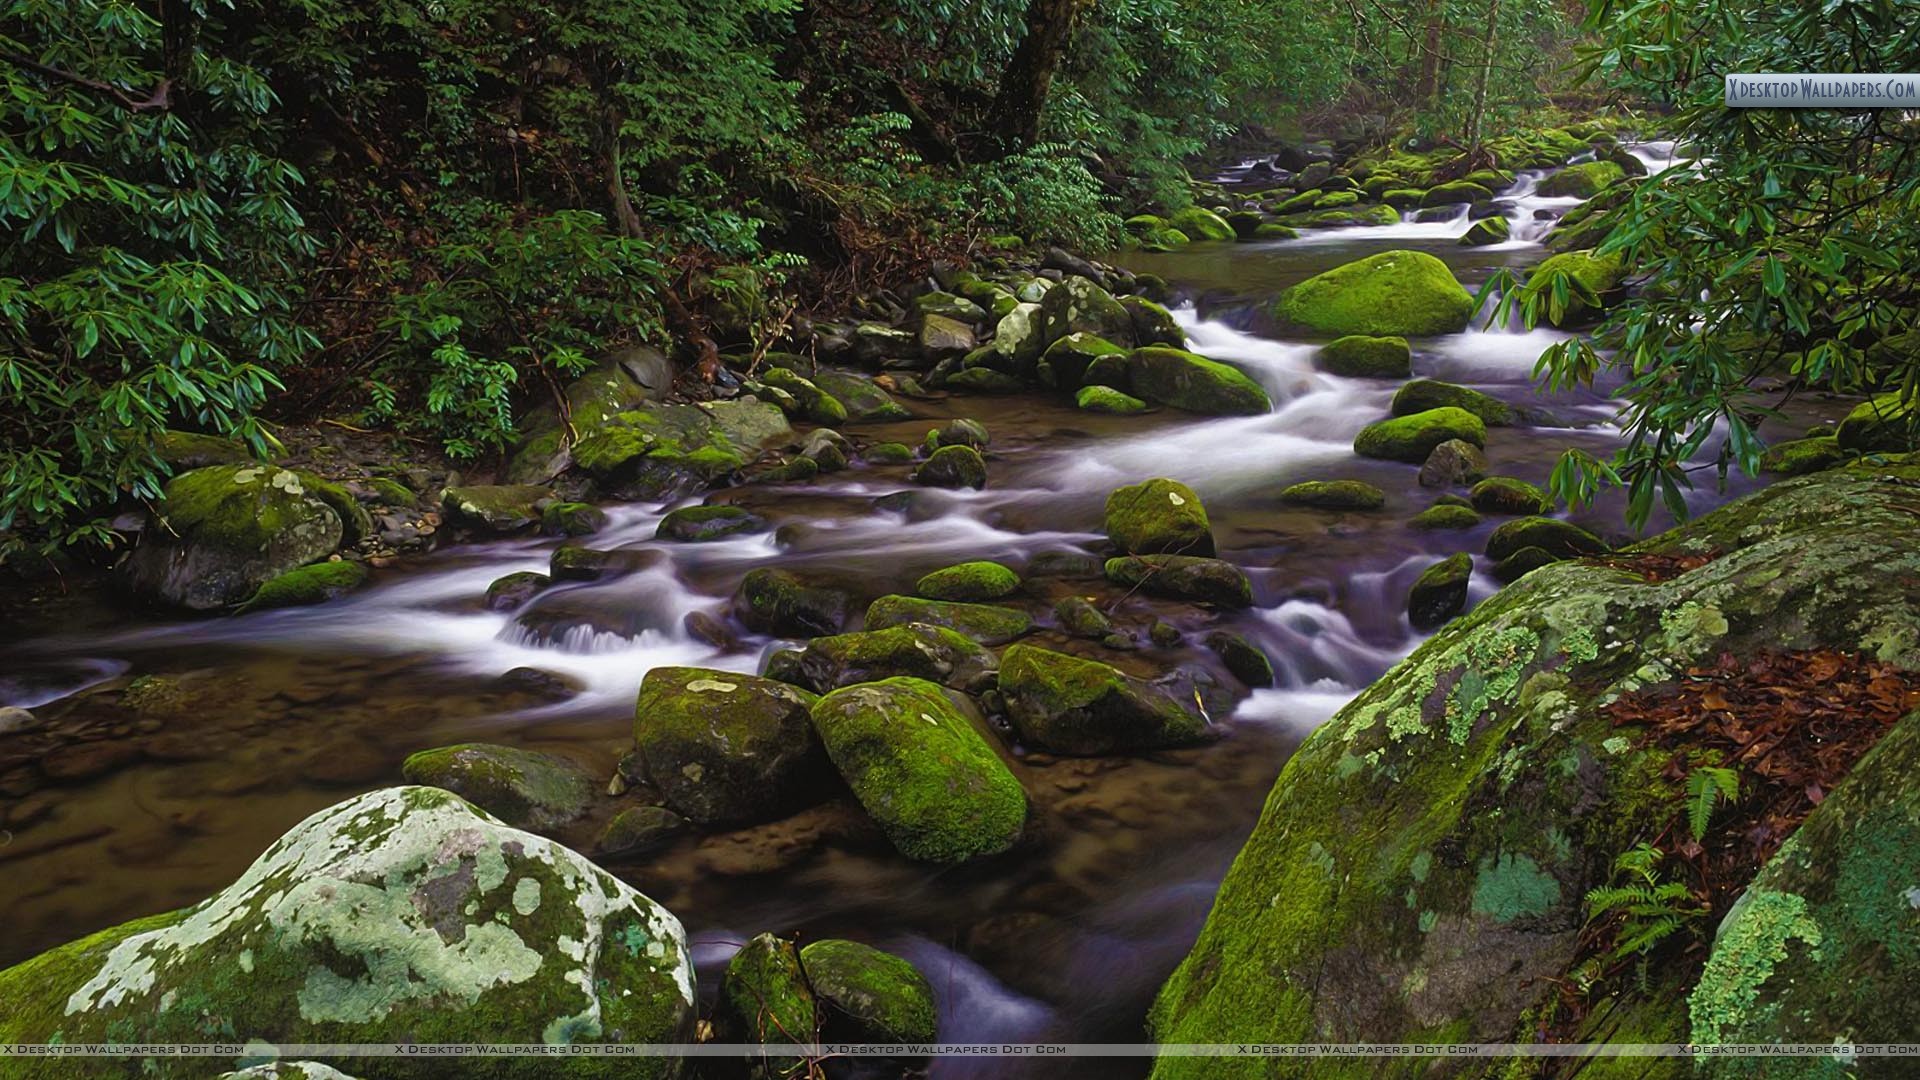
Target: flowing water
x,y
281,713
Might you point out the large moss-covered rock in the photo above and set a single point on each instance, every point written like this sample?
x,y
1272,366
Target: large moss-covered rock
x,y
405,915
1454,193
1078,306
921,769
495,508
1879,425
723,747
525,789
1421,395
1194,383
1411,438
1156,516
984,623
775,601
1420,871
1200,223
922,650
662,450
1581,181
1107,400
313,584
1363,357
1183,577
869,996
224,531
1018,340
1394,293
1071,705
969,581
1486,231
814,403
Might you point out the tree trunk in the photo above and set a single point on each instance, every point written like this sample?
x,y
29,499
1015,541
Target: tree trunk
x,y
1429,89
1029,75
1477,121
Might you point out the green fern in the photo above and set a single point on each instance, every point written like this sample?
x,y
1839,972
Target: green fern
x,y
1706,788
1651,909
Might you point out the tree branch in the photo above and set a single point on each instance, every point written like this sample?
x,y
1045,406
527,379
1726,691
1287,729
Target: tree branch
x,y
160,100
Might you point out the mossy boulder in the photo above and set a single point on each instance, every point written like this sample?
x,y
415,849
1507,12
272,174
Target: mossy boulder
x,y
984,623
572,519
1167,239
1334,495
1485,232
724,748
983,380
1183,577
1156,516
949,305
525,789
695,524
1421,395
495,508
969,581
863,401
775,601
1446,517
638,831
512,590
1411,438
1798,457
1273,230
224,531
1071,705
815,403
961,432
1078,306
1363,357
936,654
921,770
661,451
1345,217
1064,364
185,450
1105,399
1455,193
764,998
1420,871
1523,561
888,453
1200,223
313,584
1453,463
1881,425
403,915
1581,181
1394,293
1597,278
1561,538
1153,324
1079,617
1194,383
1507,495
868,996
1440,593
1245,660
953,467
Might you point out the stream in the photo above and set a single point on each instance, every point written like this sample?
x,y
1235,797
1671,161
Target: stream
x,y
1065,937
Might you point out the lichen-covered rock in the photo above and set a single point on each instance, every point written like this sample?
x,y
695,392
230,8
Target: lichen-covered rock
x,y
1421,395
953,467
1362,357
1158,516
969,581
922,650
869,996
1445,516
1078,306
724,748
921,769
1562,538
1879,425
764,998
1453,463
984,623
1194,383
1018,340
1440,592
496,508
775,601
226,530
313,584
949,305
1394,293
1420,871
525,789
884,346
1581,181
1105,399
1071,705
695,524
1334,495
1507,495
1411,438
1200,223
402,915
1183,577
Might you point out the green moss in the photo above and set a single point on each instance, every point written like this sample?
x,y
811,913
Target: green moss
x,y
1105,399
572,519
983,623
1200,223
1183,577
1445,517
1158,515
1360,356
879,996
775,601
1399,293
1455,193
969,581
921,770
693,524
1194,383
921,650
1440,592
1411,438
888,453
953,467
1506,495
391,492
1335,495
1559,538
1798,457
1486,231
1582,181
495,507
764,998
1598,275
1273,230
1064,364
1420,395
1884,424
1744,956
724,747
308,585
1078,706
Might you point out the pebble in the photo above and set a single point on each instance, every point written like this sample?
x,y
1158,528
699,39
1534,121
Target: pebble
x,y
14,719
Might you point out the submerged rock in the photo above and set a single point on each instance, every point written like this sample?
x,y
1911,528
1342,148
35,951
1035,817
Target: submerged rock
x,y
1071,705
515,589
1157,516
1398,293
226,530
723,747
525,789
923,772
402,915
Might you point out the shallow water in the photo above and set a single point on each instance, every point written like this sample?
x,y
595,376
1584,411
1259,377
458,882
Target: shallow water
x,y
1069,934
